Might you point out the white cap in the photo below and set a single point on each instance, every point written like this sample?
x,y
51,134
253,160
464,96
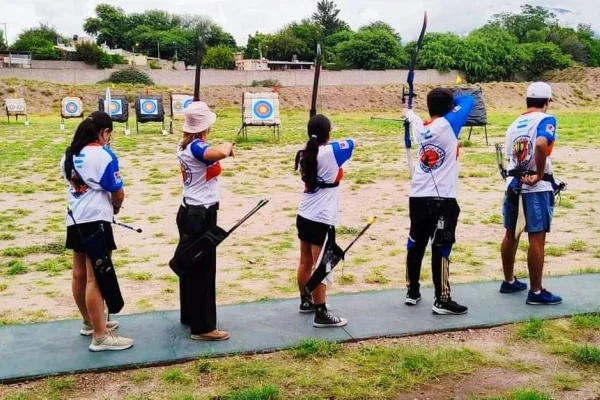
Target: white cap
x,y
539,90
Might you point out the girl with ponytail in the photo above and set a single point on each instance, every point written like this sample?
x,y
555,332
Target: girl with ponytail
x,y
320,165
95,195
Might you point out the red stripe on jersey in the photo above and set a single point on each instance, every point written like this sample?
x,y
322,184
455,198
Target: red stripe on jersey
x,y
339,176
213,171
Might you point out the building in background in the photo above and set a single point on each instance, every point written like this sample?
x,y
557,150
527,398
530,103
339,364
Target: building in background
x,y
263,64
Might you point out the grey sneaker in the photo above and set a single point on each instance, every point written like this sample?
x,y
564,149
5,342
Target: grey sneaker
x,y
88,330
110,342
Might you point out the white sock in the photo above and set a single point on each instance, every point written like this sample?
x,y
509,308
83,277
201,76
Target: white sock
x,y
511,281
538,292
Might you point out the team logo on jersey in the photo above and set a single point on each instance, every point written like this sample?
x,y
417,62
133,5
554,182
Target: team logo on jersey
x,y
186,172
427,134
78,186
344,144
522,150
550,129
117,177
431,157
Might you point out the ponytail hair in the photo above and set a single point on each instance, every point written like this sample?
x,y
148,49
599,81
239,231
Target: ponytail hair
x,y
87,132
319,128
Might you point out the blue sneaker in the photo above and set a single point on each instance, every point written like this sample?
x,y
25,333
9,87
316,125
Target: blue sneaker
x,y
544,298
516,286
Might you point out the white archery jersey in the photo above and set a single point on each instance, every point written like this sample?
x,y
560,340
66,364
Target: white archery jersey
x,y
438,149
200,176
96,176
322,205
520,148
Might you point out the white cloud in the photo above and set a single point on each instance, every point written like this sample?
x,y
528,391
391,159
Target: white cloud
x,y
242,18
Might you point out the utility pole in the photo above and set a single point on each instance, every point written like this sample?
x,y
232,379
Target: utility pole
x,y
5,34
158,45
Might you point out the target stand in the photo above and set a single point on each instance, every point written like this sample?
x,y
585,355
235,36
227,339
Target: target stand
x,y
179,103
119,110
16,107
149,108
71,107
260,109
478,116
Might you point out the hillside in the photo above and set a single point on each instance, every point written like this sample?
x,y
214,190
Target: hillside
x,y
573,87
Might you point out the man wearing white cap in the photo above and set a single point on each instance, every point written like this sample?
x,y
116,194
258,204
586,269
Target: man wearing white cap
x,y
200,169
529,143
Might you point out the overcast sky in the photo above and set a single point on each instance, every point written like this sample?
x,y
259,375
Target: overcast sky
x,y
243,17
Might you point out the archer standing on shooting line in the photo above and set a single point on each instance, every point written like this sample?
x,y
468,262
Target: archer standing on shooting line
x,y
321,167
433,207
95,195
200,168
529,143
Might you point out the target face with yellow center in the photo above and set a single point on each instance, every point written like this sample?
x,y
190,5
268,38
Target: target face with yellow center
x,y
181,103
72,107
116,107
149,107
263,109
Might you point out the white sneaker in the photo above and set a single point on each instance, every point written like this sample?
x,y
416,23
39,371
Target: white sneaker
x,y
88,330
111,342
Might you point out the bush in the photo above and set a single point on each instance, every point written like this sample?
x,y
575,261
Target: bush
x,y
89,53
219,57
117,59
154,65
105,61
266,83
132,76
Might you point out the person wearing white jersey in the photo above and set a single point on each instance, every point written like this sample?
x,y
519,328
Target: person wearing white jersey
x,y
321,167
433,207
200,169
95,195
529,143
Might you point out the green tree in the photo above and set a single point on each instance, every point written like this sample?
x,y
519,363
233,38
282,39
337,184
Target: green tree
x,y
380,25
537,58
373,50
3,44
110,26
257,43
40,41
285,45
440,51
531,19
327,17
219,57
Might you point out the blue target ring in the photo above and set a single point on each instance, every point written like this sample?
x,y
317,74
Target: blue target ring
x,y
187,103
115,107
72,107
263,109
149,107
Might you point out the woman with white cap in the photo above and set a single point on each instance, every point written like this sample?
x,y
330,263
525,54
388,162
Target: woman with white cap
x,y
200,169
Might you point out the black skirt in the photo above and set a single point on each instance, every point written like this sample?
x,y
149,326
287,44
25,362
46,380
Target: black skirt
x,y
311,231
73,241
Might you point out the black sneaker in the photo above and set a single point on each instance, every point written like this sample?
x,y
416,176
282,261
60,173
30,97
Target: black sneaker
x,y
325,319
449,307
412,298
306,305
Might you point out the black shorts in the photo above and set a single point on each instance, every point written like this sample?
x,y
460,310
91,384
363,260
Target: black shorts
x,y
310,231
87,229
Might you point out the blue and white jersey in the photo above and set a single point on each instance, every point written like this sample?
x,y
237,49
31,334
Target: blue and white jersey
x,y
96,176
322,205
520,145
437,148
200,176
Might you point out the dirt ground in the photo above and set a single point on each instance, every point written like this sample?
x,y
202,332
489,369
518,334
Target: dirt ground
x,y
574,87
259,261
